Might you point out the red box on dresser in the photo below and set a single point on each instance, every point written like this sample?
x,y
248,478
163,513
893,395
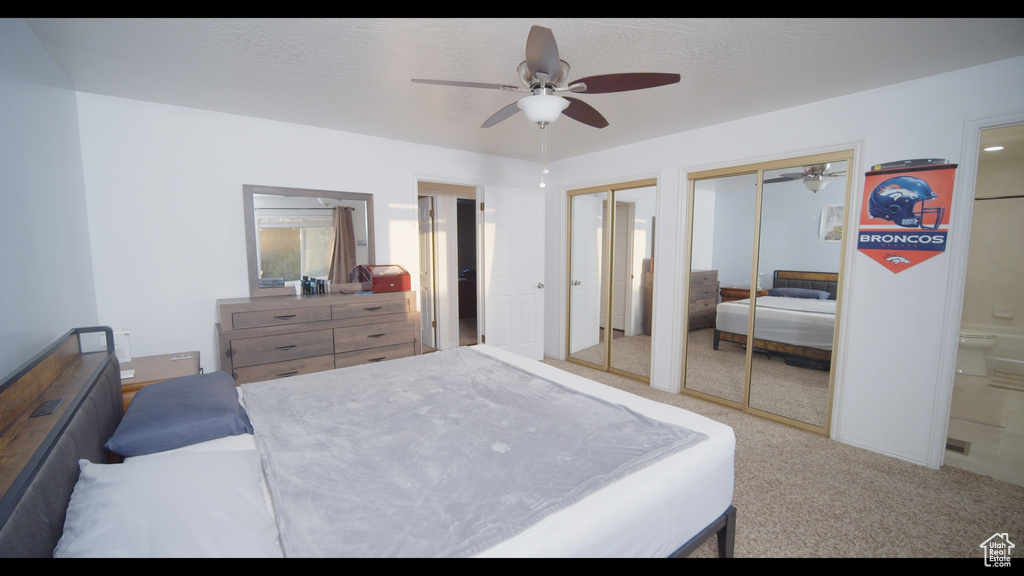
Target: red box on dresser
x,y
390,278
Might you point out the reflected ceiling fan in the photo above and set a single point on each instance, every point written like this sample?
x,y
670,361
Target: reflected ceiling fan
x,y
544,75
813,176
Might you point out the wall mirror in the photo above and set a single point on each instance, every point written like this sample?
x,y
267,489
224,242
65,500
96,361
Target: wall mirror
x,y
611,270
296,232
768,241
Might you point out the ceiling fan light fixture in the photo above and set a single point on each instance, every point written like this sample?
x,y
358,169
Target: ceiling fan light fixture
x,y
542,108
815,183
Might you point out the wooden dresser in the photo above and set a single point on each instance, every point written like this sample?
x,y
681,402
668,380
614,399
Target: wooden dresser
x,y
703,299
269,337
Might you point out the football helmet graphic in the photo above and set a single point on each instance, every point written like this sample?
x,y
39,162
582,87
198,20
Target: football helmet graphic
x,y
896,200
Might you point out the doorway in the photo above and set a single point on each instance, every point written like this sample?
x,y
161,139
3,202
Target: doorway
x,y
448,263
985,433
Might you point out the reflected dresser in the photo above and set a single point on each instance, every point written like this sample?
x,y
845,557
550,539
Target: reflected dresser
x,y
703,299
268,337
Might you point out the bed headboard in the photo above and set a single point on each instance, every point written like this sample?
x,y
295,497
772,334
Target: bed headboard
x,y
62,406
827,281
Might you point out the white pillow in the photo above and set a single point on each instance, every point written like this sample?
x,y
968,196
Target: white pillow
x,y
185,505
236,442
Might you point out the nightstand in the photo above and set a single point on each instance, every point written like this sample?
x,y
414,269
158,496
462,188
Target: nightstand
x,y
150,369
730,293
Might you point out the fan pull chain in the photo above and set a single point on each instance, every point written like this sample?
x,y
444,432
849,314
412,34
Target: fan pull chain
x,y
543,153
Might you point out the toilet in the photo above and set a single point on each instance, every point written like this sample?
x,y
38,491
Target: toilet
x,y
970,357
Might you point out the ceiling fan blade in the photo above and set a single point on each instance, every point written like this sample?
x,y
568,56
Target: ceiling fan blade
x,y
468,84
580,111
504,113
786,177
542,53
606,83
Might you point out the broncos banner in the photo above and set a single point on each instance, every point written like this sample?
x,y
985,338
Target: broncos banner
x,y
905,214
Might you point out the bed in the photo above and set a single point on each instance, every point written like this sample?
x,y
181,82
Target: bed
x,y
796,318
232,482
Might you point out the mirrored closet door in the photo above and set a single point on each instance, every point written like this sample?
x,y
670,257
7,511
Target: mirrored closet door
x,y
611,255
768,241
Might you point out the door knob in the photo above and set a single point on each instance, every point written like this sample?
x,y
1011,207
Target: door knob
x,y
540,284
576,282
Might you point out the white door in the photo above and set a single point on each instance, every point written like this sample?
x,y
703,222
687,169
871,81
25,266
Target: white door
x,y
513,270
586,316
427,305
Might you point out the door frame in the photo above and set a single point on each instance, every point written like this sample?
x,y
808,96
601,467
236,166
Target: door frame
x,y
446,313
963,207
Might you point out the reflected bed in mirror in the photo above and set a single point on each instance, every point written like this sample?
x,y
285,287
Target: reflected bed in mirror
x,y
290,233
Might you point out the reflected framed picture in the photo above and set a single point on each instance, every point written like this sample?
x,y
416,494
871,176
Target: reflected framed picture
x,y
831,223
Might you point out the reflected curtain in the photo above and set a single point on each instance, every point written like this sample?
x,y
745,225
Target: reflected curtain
x,y
343,258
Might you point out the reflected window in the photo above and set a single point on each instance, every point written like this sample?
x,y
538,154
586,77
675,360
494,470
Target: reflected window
x,y
296,244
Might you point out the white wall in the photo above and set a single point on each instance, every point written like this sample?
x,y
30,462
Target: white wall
x,y
162,186
894,372
164,191
46,279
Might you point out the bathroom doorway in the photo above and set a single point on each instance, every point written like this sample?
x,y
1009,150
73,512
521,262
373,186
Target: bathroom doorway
x,y
986,425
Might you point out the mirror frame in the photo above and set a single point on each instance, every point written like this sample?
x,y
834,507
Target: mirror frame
x,y
607,306
248,190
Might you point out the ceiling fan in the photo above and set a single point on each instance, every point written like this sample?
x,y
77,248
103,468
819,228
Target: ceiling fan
x,y
544,75
813,176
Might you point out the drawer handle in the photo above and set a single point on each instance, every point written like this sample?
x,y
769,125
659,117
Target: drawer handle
x,y
377,335
286,374
284,317
372,309
377,359
288,347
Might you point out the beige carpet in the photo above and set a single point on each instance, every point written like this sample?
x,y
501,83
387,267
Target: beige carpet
x,y
801,495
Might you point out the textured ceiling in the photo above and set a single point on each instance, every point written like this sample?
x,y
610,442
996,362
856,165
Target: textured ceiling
x,y
355,75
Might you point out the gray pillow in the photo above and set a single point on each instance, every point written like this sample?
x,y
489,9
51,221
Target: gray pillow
x,y
178,412
799,293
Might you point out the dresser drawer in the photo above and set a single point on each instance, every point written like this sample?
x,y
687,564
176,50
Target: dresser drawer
x,y
370,309
267,349
703,291
703,305
705,319
279,317
373,335
284,369
702,276
374,355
